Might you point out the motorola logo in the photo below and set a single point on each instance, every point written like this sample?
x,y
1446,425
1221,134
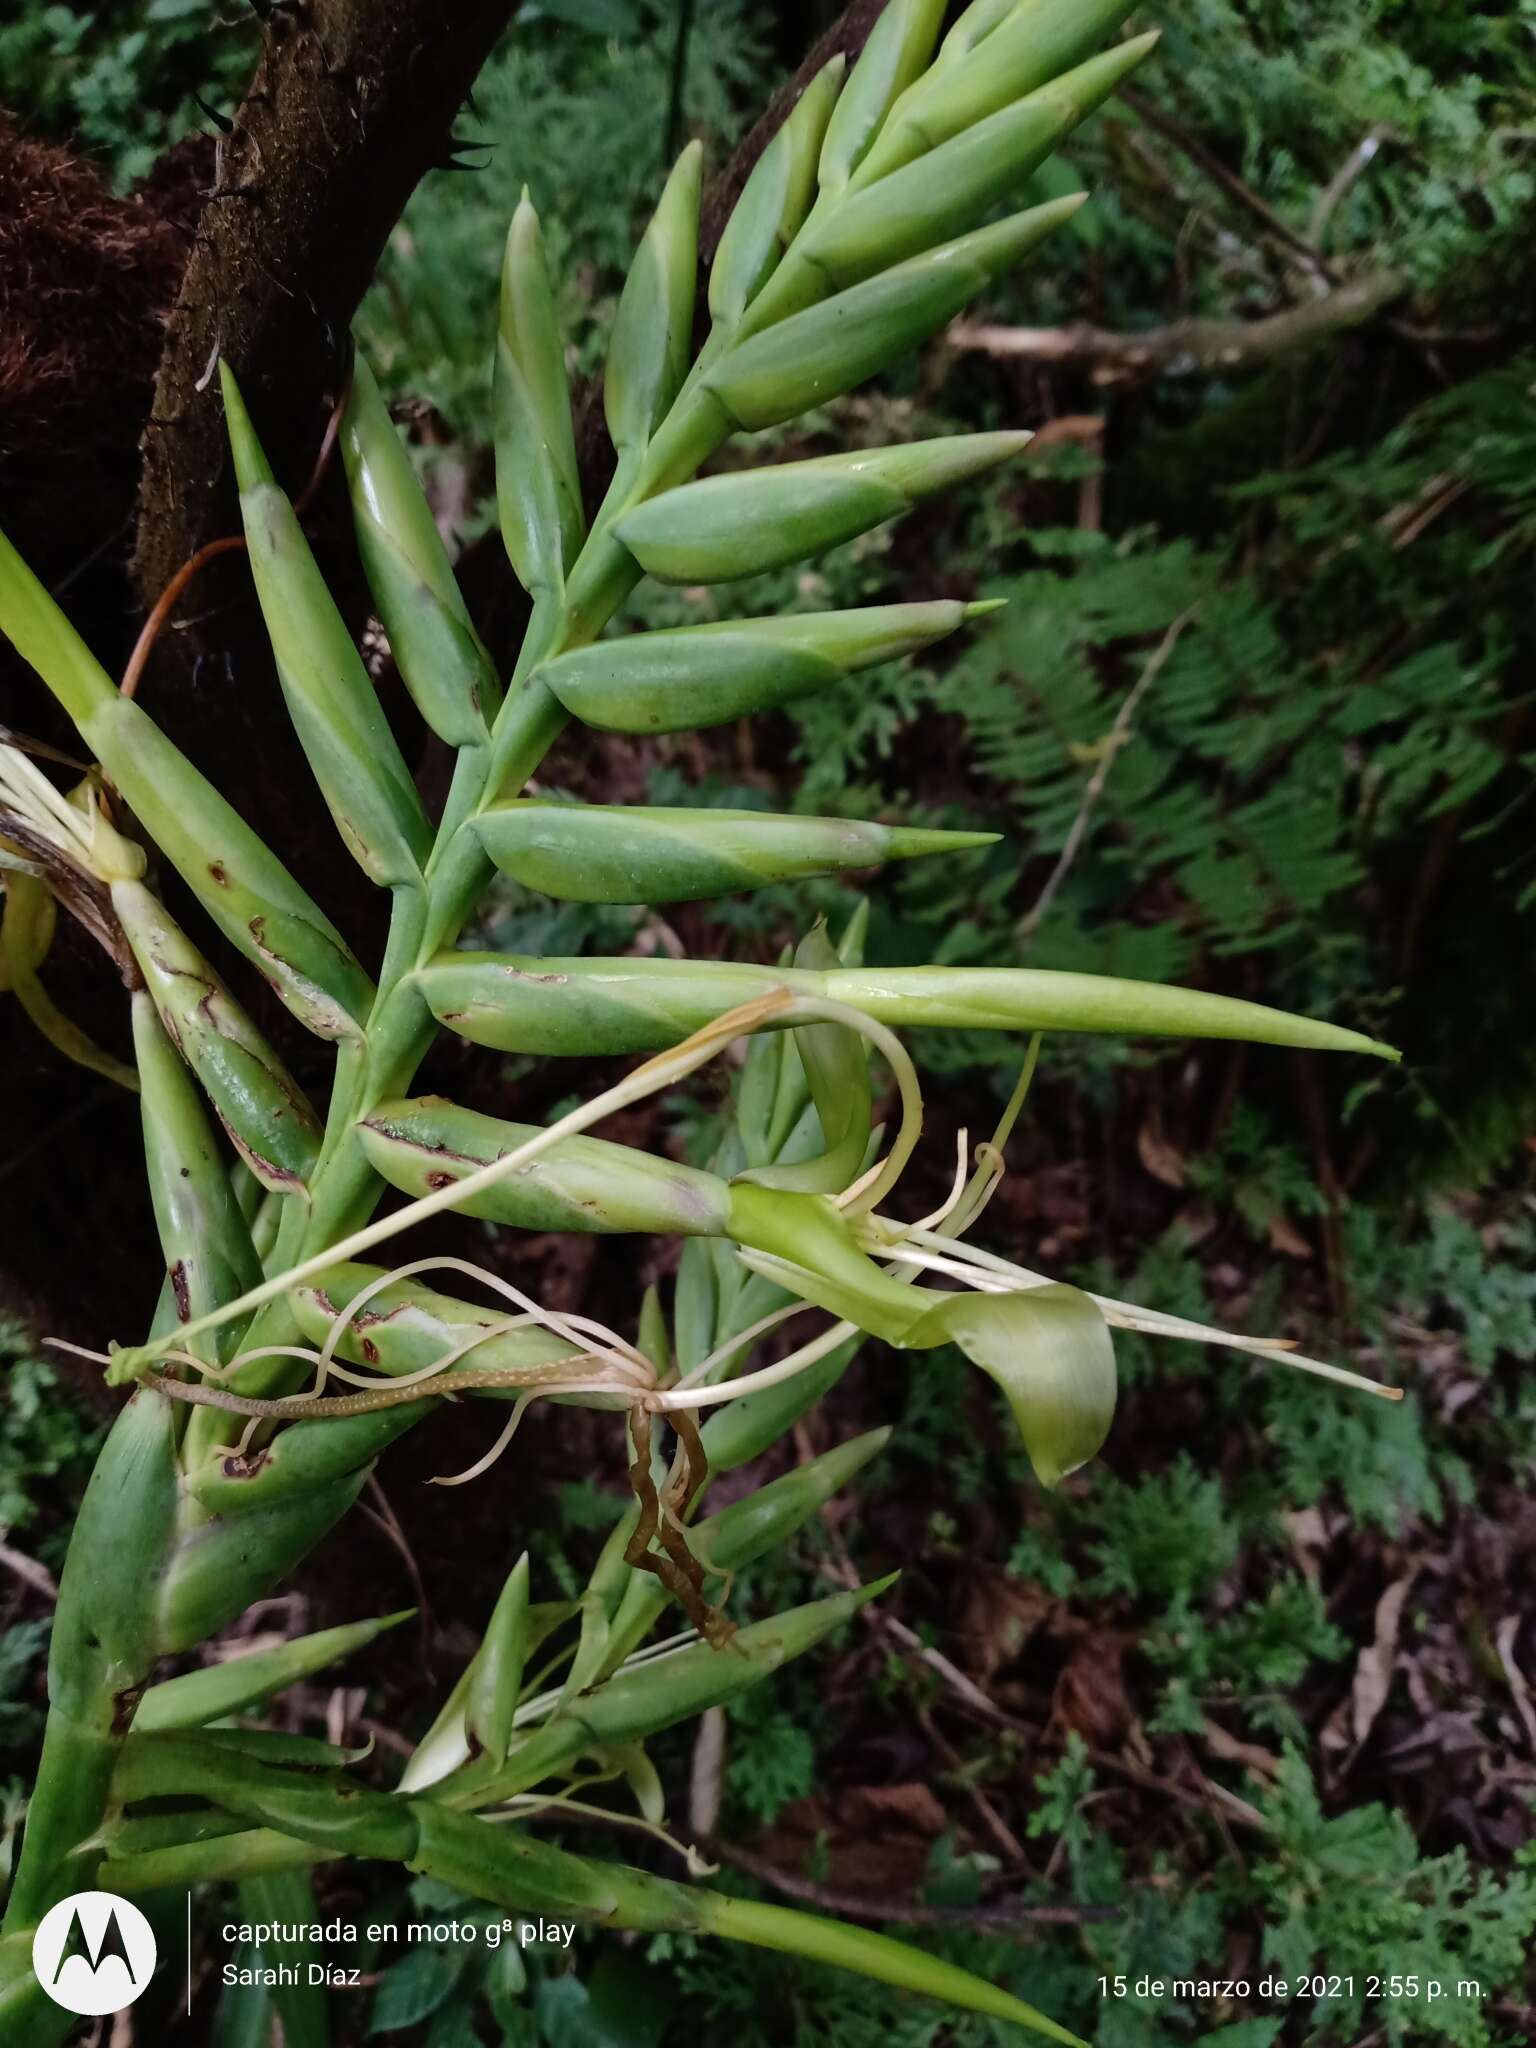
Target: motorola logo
x,y
93,1953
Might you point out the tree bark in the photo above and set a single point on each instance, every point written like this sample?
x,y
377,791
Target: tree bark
x,y
352,101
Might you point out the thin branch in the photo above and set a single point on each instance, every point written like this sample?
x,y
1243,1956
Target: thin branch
x,y
1118,734
1186,348
1241,194
1360,157
29,1571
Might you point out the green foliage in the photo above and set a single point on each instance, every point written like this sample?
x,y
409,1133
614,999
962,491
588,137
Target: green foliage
x,y
46,1442
119,79
1352,1897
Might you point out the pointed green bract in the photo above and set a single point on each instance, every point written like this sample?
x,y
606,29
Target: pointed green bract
x,y
690,676
405,1327
538,489
583,1184
614,853
436,649
209,1257
836,1063
652,331
593,1005
975,24
643,1699
774,201
1027,43
755,519
259,1104
242,885
953,187
496,1675
899,45
330,697
220,1689
818,354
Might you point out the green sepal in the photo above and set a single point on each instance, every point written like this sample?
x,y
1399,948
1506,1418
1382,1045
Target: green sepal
x,y
260,1105
444,667
749,520
679,678
219,1689
584,1184
649,349
1049,1349
330,697
774,201
538,488
615,853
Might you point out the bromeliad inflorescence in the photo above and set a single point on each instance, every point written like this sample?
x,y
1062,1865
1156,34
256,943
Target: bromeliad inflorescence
x,y
871,219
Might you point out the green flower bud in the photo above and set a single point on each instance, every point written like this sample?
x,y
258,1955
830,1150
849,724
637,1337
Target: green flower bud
x,y
523,1004
818,354
263,1109
330,697
242,885
538,488
652,338
755,519
1028,43
774,201
694,676
436,649
616,853
580,1184
947,191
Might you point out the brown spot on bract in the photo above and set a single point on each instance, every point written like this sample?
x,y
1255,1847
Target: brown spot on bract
x,y
178,1280
125,1705
219,872
245,1465
441,1180
370,1351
